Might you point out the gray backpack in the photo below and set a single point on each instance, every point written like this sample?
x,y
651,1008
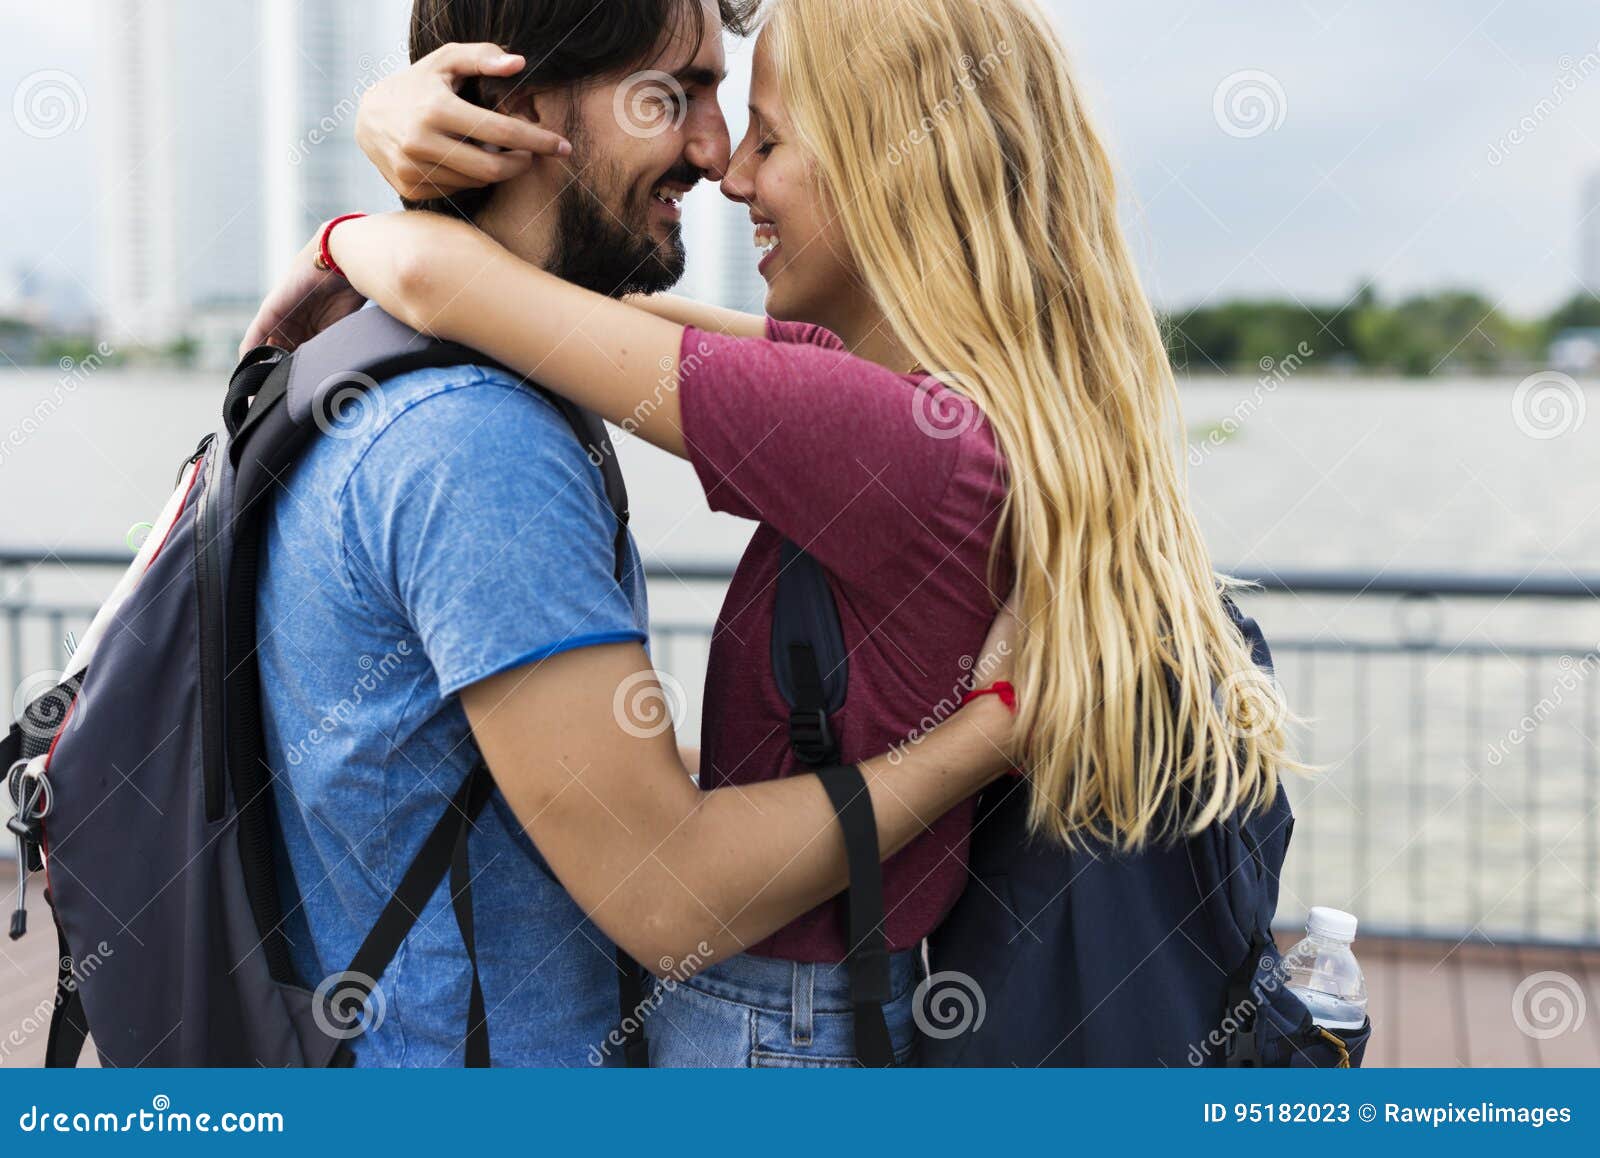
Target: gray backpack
x,y
140,781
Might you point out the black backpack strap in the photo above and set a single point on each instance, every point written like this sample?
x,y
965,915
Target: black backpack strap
x,y
477,1041
248,378
68,1026
810,734
1243,1049
868,957
591,432
444,851
630,1001
11,748
812,670
809,659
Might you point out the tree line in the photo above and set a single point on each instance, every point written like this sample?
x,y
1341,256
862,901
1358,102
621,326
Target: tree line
x,y
1456,331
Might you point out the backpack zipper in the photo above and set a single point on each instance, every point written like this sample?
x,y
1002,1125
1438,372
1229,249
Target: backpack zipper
x,y
208,586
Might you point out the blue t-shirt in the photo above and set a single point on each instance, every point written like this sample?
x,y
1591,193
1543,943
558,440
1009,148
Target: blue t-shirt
x,y
449,528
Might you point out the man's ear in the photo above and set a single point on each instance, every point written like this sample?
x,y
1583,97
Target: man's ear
x,y
514,99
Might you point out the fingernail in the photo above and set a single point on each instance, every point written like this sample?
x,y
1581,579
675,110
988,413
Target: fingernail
x,y
509,60
564,149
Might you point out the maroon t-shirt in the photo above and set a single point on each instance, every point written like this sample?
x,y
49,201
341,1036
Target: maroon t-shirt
x,y
894,484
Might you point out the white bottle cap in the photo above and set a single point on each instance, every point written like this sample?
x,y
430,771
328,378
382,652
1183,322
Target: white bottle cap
x,y
1335,923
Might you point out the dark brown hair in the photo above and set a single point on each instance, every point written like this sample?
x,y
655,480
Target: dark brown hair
x,y
565,42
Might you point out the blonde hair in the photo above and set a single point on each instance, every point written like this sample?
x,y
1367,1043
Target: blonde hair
x,y
980,209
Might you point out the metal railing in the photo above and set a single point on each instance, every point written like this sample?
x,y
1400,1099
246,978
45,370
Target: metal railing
x,y
1457,791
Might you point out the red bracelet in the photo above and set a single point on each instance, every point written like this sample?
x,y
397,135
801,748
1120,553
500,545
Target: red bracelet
x,y
1001,688
325,260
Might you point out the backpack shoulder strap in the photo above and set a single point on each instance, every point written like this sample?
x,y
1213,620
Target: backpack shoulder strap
x,y
865,945
812,669
443,851
1236,865
809,659
360,351
591,433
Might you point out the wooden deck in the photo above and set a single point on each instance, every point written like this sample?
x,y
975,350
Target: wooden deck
x,y
1432,1003
1438,1004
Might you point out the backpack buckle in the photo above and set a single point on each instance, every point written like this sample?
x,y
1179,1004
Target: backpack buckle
x,y
811,737
1244,1007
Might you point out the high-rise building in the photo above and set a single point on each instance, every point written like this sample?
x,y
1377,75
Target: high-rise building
x,y
178,198
743,287
228,136
1590,234
722,255
319,59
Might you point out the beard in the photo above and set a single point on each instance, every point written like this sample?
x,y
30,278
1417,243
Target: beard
x,y
610,249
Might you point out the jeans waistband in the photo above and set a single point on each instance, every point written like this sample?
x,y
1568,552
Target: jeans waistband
x,y
779,986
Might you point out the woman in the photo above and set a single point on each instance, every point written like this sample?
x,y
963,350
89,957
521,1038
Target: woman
x,y
958,385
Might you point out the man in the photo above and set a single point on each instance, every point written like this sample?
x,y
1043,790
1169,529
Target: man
x,y
440,583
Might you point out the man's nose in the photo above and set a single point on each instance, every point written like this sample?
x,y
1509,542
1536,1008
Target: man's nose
x,y
708,147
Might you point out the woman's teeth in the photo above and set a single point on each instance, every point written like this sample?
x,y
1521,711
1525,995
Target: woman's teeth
x,y
766,238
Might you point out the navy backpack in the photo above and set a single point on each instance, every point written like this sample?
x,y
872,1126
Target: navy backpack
x,y
1087,957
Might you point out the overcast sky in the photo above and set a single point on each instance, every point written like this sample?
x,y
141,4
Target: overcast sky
x,y
1386,150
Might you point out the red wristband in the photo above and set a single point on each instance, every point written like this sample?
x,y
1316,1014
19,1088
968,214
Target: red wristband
x,y
1000,688
325,260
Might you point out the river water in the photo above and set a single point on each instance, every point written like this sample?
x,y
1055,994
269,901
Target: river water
x,y
1435,808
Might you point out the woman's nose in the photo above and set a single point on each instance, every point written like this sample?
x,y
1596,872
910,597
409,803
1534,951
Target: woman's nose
x,y
737,183
708,145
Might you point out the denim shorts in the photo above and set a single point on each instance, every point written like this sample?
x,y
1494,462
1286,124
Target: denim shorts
x,y
762,1012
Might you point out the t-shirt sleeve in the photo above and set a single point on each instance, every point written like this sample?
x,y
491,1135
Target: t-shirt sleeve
x,y
478,512
839,454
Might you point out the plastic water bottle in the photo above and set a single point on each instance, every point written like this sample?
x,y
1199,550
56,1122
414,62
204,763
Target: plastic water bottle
x,y
1323,973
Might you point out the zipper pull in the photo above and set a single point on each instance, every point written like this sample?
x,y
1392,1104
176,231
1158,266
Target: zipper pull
x,y
30,793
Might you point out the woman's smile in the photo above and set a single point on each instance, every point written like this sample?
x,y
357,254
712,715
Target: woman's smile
x,y
767,240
